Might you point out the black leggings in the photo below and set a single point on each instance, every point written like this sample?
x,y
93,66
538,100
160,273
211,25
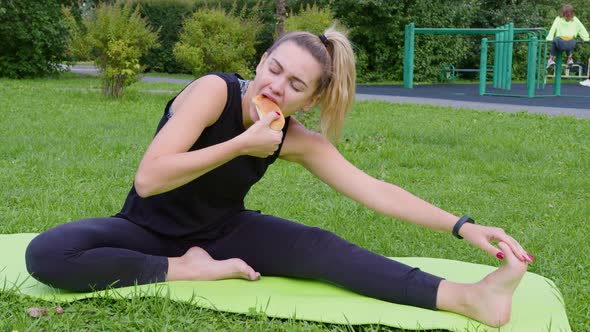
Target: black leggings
x,y
102,252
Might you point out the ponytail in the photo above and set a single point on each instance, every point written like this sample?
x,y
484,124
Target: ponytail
x,y
337,83
338,96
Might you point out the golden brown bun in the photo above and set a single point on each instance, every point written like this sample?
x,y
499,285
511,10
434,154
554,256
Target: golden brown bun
x,y
264,106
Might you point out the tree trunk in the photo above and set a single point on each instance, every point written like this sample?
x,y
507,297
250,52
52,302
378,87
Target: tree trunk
x,y
281,11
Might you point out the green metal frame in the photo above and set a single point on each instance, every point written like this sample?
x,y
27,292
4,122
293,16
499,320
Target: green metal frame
x,y
502,67
503,43
536,63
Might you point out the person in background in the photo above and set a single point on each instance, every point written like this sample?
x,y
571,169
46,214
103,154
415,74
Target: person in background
x,y
564,30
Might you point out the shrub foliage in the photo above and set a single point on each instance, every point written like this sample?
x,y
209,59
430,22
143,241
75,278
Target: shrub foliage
x,y
33,38
311,18
216,40
115,37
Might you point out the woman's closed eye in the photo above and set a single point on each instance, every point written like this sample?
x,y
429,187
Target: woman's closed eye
x,y
295,85
274,68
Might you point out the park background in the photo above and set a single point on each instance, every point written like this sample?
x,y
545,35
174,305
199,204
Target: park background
x,y
37,37
61,138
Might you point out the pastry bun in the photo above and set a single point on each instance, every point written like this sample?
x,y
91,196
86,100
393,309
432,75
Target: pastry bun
x,y
264,106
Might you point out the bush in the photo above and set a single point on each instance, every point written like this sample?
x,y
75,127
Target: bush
x,y
312,19
33,35
213,40
116,37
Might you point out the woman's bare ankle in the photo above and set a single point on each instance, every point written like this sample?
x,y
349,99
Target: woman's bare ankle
x,y
489,300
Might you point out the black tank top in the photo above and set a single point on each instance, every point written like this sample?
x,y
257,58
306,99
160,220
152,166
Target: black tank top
x,y
197,209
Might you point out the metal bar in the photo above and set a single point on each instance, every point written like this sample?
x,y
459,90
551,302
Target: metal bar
x,y
503,94
508,41
483,60
531,67
501,49
508,56
497,74
449,31
557,78
409,56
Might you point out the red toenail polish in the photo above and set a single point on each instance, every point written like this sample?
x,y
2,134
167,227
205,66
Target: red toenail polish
x,y
500,255
531,257
279,114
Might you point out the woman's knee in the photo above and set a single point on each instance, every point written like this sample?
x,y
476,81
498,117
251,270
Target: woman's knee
x,y
44,258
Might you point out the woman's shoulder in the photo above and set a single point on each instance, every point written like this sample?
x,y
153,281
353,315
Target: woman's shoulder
x,y
301,142
207,94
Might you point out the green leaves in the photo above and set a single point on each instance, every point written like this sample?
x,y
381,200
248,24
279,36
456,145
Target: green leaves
x,y
312,19
213,40
33,38
115,38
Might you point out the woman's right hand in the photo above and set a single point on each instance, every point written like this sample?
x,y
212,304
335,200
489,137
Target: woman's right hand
x,y
260,140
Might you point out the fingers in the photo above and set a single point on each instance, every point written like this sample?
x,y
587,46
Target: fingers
x,y
493,251
517,249
505,248
270,117
510,256
513,245
485,238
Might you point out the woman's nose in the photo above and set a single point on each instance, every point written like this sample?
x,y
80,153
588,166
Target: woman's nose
x,y
278,86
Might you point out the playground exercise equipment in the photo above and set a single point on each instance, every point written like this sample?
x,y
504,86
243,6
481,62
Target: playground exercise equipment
x,y
536,71
503,43
448,72
502,67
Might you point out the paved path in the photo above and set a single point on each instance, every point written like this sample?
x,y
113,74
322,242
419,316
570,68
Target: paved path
x,y
575,112
435,95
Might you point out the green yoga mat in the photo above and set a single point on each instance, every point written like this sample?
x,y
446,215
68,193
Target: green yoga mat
x,y
537,306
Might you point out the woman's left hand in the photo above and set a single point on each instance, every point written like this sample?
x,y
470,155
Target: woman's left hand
x,y
483,236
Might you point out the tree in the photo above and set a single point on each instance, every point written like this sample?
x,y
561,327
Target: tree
x,y
281,12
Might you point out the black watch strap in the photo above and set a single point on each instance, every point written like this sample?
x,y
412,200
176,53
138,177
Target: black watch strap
x,y
460,223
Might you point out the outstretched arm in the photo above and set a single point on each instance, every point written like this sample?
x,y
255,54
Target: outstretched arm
x,y
322,159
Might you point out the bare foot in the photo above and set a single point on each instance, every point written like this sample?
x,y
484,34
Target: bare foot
x,y
197,264
492,304
489,300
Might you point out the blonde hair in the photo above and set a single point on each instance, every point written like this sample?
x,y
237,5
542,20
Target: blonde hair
x,y
338,79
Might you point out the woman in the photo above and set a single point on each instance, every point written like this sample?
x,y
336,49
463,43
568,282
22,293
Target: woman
x,y
565,28
184,218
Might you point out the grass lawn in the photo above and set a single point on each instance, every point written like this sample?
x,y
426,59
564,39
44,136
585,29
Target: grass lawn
x,y
69,153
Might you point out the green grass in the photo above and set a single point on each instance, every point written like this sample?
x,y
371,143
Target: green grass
x,y
70,153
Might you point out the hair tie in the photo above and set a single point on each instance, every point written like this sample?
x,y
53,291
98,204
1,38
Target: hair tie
x,y
324,39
